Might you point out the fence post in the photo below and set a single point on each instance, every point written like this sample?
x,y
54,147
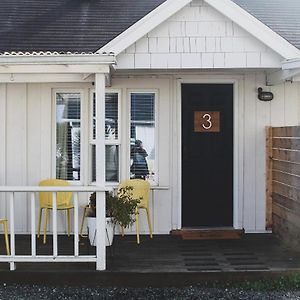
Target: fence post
x,y
269,165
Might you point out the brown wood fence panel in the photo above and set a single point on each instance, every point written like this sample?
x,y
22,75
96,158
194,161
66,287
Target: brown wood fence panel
x,y
283,182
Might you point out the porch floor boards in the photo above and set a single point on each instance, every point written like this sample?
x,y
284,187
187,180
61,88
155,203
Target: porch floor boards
x,y
168,254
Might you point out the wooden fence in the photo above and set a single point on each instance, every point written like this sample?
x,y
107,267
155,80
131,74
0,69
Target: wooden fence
x,y
283,183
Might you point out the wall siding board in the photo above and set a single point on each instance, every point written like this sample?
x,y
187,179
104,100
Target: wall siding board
x,y
277,106
16,157
249,217
3,212
199,28
33,142
291,105
262,118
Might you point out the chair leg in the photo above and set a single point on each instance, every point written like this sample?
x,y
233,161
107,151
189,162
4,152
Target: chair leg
x,y
82,221
6,238
40,220
149,222
137,227
45,225
69,222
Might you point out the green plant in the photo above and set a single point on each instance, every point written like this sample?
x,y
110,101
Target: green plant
x,y
121,207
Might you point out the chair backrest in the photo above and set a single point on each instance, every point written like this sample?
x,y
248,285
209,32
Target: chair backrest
x,y
141,190
62,198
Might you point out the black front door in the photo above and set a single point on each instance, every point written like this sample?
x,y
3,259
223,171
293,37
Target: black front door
x,y
207,155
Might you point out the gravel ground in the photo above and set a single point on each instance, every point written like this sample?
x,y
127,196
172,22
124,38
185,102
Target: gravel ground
x,y
44,292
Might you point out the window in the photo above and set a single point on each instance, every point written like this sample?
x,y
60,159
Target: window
x,y
68,129
142,136
112,140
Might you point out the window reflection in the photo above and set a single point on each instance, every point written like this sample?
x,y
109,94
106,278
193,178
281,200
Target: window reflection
x,y
68,136
111,163
142,142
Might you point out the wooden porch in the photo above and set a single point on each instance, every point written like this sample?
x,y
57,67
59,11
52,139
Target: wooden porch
x,y
166,254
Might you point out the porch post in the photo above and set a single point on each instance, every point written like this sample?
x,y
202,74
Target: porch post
x,y
100,170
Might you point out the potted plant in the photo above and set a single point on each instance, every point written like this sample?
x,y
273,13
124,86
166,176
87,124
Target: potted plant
x,y
120,209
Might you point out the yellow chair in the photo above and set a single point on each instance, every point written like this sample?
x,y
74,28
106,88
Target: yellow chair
x,y
141,190
4,223
63,200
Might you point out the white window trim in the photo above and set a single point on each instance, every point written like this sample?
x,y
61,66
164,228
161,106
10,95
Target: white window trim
x,y
82,119
116,142
154,182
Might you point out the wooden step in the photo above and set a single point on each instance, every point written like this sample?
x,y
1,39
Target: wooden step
x,y
209,234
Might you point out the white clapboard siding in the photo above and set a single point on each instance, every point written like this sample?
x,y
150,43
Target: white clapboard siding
x,y
16,143
249,219
198,37
26,124
34,139
263,115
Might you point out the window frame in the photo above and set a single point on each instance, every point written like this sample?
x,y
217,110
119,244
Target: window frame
x,y
154,91
116,142
54,128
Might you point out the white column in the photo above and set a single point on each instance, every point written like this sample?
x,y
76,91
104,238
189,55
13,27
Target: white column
x,y
100,170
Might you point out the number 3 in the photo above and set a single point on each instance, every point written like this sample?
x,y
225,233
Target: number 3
x,y
208,120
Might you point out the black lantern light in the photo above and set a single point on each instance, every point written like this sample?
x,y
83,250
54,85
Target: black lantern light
x,y
264,96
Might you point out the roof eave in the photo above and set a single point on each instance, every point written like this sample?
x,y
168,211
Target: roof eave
x,y
57,59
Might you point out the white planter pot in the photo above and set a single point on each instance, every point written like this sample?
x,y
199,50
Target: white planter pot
x,y
109,236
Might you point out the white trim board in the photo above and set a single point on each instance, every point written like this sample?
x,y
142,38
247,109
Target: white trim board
x,y
143,26
226,7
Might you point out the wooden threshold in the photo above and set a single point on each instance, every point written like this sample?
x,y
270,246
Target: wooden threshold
x,y
209,234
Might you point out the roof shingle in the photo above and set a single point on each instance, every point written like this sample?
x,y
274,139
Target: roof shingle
x,y
67,25
87,25
282,16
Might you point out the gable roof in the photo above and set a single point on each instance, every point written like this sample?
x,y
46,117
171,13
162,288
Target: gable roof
x,y
282,16
67,25
87,25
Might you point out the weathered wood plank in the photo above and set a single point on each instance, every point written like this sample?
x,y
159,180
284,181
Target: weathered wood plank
x,y
286,202
286,143
286,231
286,191
287,214
287,155
286,178
286,183
269,168
289,131
287,167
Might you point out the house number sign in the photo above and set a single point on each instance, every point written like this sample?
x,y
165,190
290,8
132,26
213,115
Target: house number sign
x,y
207,121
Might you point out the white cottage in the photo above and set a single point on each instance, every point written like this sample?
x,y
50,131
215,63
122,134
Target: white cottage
x,y
181,76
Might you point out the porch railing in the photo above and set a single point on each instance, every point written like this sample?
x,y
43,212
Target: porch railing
x,y
99,258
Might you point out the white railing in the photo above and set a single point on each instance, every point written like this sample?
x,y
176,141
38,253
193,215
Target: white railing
x,y
99,258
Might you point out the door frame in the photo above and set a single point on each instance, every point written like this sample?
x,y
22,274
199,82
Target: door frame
x,y
237,142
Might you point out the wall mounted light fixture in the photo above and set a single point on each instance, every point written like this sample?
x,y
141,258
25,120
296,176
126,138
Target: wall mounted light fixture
x,y
264,96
